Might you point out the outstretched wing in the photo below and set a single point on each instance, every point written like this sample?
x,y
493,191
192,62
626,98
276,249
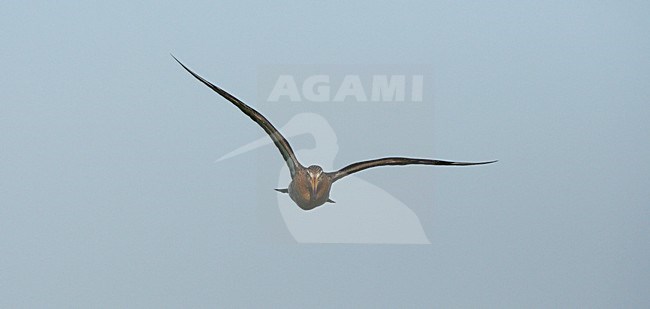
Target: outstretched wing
x,y
360,166
278,139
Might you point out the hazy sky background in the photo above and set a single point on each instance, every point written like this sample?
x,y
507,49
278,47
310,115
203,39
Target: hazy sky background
x,y
109,194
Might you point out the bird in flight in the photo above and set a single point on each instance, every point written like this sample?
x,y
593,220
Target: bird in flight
x,y
310,186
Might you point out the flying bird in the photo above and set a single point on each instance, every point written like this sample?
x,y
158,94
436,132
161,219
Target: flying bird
x,y
310,186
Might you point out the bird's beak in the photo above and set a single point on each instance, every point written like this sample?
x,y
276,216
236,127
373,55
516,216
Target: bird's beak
x,y
314,186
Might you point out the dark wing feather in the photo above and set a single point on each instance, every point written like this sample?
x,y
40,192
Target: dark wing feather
x,y
360,166
278,139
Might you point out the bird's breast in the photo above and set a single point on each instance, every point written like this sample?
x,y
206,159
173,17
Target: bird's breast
x,y
308,195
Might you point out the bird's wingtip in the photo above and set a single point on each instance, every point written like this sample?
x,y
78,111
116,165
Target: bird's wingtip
x,y
176,59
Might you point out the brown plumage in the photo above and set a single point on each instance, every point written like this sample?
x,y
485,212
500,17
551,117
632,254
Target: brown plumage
x,y
310,186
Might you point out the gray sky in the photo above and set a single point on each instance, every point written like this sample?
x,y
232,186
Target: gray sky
x,y
109,194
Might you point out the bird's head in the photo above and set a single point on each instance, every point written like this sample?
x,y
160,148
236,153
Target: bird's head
x,y
314,173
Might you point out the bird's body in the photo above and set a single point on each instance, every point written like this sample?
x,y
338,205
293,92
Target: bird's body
x,y
310,186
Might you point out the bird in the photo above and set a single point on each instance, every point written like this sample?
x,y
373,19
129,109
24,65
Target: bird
x,y
365,213
310,186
